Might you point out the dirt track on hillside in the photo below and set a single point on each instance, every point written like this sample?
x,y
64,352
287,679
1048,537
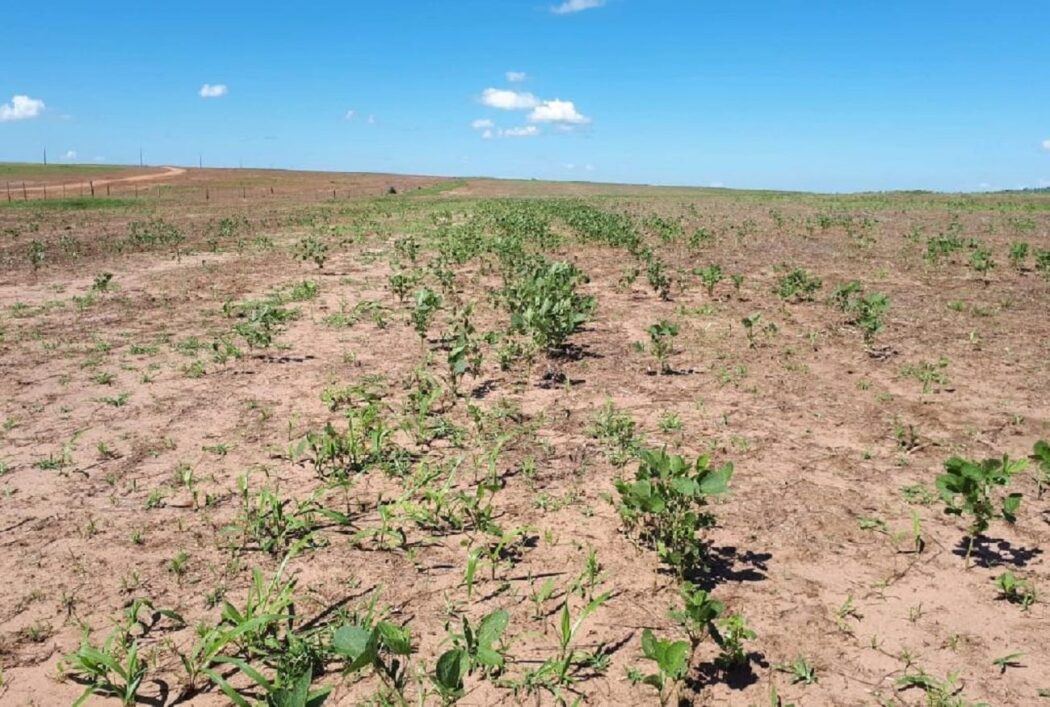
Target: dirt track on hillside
x,y
167,173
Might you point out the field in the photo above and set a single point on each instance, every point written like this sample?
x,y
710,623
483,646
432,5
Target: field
x,y
407,440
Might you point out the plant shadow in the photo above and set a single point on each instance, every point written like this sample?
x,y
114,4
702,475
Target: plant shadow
x,y
996,552
728,564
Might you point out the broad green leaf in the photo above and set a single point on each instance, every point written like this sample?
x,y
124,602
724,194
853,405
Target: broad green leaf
x,y
356,643
716,482
397,640
649,646
492,627
451,668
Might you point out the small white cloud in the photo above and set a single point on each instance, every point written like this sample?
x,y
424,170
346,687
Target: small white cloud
x,y
516,76
589,167
1046,145
371,120
527,131
570,6
21,108
483,124
213,90
558,111
350,114
508,100
70,155
98,158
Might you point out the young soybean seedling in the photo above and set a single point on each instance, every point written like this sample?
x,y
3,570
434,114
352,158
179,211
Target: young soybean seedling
x,y
427,304
1041,459
710,276
476,647
750,322
967,487
661,344
672,663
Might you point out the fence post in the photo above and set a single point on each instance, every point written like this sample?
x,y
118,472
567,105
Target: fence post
x,y
25,196
244,192
45,192
107,189
9,191
92,183
207,194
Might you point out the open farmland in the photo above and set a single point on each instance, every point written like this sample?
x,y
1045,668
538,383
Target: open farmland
x,y
496,442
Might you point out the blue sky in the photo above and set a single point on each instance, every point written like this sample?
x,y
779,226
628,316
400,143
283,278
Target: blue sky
x,y
833,96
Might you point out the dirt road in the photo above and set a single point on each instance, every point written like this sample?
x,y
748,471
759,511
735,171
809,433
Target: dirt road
x,y
166,174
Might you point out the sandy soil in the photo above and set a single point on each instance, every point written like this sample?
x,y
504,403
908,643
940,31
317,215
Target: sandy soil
x,y
108,400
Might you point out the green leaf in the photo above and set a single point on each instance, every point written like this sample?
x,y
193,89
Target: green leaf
x,y
451,668
1010,505
649,646
716,482
675,660
492,627
397,640
356,643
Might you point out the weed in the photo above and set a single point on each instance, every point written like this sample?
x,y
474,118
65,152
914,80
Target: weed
x,y
1015,591
801,671
931,375
113,669
615,429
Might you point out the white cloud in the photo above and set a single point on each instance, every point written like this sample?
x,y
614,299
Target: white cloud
x,y
527,131
70,155
508,100
371,120
558,111
21,108
516,76
1046,145
570,6
213,90
350,114
483,124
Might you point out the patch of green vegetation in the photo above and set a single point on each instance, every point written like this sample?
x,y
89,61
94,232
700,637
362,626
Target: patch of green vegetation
x,y
73,203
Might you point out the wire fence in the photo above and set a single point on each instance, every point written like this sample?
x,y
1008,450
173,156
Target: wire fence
x,y
28,191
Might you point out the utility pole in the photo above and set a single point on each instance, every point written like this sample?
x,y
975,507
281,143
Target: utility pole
x,y
140,157
45,157
200,162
